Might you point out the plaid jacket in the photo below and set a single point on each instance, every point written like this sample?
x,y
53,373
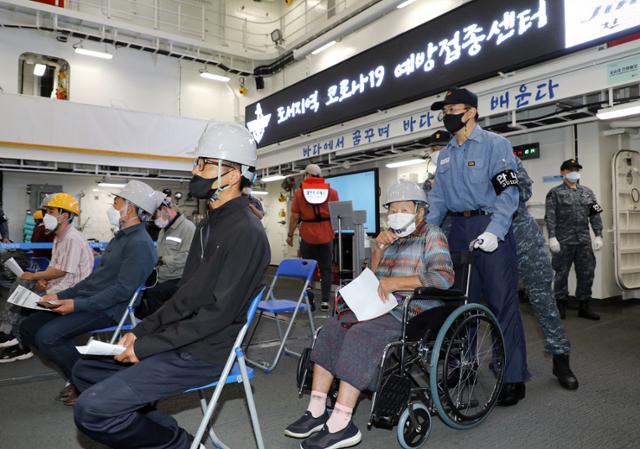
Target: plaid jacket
x,y
424,253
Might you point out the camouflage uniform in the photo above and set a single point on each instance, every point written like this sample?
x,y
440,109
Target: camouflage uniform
x,y
534,269
568,214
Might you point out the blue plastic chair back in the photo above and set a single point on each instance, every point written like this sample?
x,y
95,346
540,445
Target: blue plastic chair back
x,y
254,305
297,268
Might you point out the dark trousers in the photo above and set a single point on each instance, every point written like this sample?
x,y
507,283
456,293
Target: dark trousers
x,y
494,278
323,255
154,298
585,261
114,407
53,334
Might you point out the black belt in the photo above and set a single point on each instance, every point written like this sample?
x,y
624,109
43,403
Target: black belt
x,y
469,213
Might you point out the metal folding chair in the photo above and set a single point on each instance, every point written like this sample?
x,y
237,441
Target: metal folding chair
x,y
293,268
123,325
235,371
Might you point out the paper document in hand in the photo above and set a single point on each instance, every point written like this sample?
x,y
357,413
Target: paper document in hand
x,y
13,266
96,347
361,295
23,297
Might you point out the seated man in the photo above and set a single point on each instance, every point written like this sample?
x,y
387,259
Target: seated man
x,y
101,299
410,254
186,343
174,240
71,262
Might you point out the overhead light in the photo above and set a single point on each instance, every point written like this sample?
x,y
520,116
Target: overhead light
x,y
214,77
620,110
94,53
405,3
259,192
39,69
323,48
405,163
111,184
272,178
95,190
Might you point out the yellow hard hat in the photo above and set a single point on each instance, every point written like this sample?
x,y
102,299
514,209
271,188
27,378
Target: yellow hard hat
x,y
64,201
37,215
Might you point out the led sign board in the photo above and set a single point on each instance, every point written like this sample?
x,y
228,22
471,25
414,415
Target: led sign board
x,y
469,43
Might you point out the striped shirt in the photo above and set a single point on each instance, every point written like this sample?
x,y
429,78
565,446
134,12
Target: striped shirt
x,y
424,253
71,254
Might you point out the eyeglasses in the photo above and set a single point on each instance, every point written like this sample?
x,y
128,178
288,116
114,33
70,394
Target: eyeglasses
x,y
201,162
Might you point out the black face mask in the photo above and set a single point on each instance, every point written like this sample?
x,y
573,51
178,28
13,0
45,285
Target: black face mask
x,y
453,122
200,187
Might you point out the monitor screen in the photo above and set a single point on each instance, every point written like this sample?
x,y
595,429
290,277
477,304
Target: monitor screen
x,y
361,188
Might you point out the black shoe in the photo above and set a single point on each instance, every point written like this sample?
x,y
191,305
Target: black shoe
x,y
584,311
562,371
562,309
347,437
15,353
7,340
511,394
306,425
324,306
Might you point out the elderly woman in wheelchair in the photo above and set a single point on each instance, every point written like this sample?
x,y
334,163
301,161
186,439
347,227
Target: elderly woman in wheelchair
x,y
411,254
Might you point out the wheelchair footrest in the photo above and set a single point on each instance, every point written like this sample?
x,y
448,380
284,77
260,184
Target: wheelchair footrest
x,y
391,399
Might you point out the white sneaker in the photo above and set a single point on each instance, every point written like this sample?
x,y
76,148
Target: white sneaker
x,y
7,340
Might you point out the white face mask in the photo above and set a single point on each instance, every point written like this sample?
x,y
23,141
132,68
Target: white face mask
x,y
434,157
114,217
572,177
50,222
247,191
402,224
161,222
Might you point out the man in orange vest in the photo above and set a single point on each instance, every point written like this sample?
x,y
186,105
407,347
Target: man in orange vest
x,y
310,209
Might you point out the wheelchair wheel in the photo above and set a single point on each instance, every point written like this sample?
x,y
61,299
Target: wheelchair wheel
x,y
304,371
467,366
409,435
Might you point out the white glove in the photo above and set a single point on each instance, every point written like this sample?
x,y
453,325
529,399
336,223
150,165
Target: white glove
x,y
597,243
554,245
487,242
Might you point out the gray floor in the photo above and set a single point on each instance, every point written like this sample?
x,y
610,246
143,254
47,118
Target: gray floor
x,y
602,414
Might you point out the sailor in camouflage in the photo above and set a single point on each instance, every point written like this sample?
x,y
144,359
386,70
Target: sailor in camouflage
x,y
570,208
536,274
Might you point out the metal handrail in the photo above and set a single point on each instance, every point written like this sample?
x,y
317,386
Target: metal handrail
x,y
208,24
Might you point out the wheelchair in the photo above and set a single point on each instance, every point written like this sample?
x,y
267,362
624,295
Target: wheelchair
x,y
449,362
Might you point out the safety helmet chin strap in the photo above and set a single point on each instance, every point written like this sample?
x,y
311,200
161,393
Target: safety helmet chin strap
x,y
216,193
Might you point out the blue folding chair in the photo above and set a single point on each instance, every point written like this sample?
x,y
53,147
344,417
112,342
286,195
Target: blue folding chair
x,y
291,268
123,325
235,371
97,261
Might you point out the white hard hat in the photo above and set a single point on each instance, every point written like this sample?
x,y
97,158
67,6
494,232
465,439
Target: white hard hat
x,y
229,142
313,170
142,195
404,190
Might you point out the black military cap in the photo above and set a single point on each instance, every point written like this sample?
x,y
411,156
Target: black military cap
x,y
456,95
439,138
569,164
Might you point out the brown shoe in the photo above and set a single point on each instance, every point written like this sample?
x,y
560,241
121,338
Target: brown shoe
x,y
71,397
65,392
